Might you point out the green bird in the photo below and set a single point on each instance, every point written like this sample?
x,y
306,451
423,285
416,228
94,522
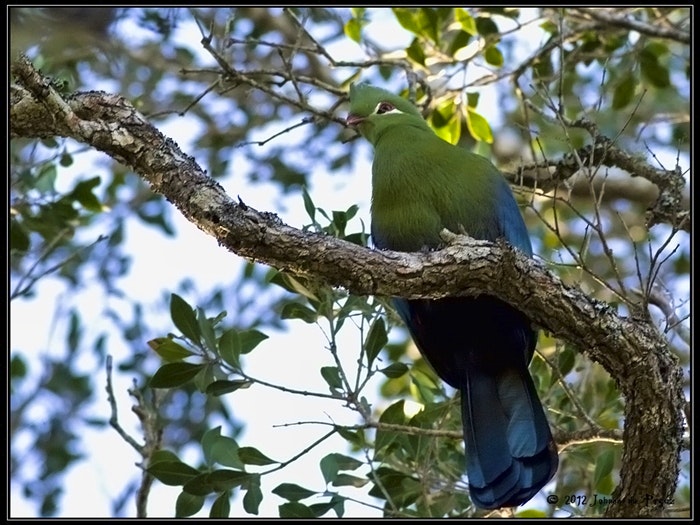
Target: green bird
x,y
480,345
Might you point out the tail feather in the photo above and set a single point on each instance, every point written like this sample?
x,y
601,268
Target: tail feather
x,y
510,451
482,347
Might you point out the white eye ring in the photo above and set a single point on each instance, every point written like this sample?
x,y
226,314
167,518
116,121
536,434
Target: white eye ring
x,y
386,108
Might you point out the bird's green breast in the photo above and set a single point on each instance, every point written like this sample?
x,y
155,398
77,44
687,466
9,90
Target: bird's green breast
x,y
422,184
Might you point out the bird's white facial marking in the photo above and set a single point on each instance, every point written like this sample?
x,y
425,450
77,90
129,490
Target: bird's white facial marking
x,y
385,108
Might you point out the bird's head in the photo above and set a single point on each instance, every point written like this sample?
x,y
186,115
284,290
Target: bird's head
x,y
372,109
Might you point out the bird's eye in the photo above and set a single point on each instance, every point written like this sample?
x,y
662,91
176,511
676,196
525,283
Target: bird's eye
x,y
385,107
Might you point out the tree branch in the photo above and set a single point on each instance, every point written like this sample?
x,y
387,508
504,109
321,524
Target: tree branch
x,y
670,205
632,351
611,18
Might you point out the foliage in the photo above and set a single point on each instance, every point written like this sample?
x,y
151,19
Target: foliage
x,y
260,90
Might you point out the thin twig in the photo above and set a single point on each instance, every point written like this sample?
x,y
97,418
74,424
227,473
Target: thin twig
x,y
52,245
114,417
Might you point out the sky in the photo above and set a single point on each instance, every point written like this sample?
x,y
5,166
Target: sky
x,y
264,410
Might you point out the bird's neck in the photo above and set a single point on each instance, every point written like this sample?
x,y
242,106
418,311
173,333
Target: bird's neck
x,y
405,131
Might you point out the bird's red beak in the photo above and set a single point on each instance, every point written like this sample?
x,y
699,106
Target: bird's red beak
x,y
353,120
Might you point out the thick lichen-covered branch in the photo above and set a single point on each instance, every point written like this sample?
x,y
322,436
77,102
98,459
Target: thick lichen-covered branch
x,y
632,351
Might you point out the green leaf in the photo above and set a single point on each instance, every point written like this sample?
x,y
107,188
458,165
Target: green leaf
x,y
188,504
444,111
415,52
308,203
204,377
395,370
298,311
459,42
531,513
224,451
84,195
66,159
354,437
427,19
392,415
206,328
624,91
155,218
168,349
603,466
493,56
473,99
542,68
293,284
425,382
163,455
18,367
351,212
230,347
478,127
226,479
46,179
19,236
654,72
340,221
48,142
174,374
217,481
75,332
332,377
550,27
334,462
172,473
656,48
292,492
566,361
401,488
183,317
353,30
221,508
466,21
376,339
208,440
486,26
252,456
342,480
223,386
250,339
453,130
294,509
336,504
199,485
406,18
323,212
253,496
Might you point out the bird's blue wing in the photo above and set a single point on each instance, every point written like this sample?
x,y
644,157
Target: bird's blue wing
x,y
511,224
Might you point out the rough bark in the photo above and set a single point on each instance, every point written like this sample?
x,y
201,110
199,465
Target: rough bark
x,y
633,351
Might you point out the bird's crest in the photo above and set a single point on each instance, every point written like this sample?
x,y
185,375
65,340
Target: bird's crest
x,y
366,100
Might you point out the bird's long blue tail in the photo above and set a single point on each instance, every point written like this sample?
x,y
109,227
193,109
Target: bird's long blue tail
x,y
482,346
509,447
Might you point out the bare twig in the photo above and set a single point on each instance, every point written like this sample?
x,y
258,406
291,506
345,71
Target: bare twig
x,y
609,17
30,279
114,417
303,122
153,435
305,451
